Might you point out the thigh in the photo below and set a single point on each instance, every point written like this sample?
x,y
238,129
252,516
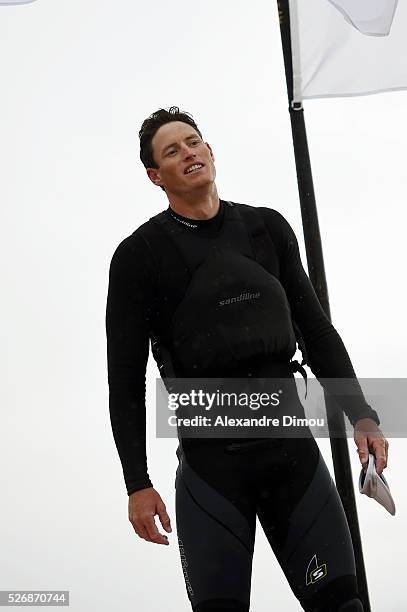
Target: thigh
x,y
303,518
216,527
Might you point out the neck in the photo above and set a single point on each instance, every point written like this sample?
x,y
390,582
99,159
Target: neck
x,y
204,205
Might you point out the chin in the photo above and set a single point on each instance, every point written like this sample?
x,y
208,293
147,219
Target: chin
x,y
203,182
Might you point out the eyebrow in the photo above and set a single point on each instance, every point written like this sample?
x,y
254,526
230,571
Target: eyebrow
x,y
174,144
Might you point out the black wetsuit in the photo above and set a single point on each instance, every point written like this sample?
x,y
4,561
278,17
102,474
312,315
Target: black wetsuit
x,y
283,481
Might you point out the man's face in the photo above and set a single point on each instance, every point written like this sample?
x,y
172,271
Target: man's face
x,y
177,147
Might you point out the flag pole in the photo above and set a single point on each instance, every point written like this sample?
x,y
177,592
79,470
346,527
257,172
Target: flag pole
x,y
316,271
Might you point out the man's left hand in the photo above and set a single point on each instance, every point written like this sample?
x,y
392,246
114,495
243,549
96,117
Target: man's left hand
x,y
368,437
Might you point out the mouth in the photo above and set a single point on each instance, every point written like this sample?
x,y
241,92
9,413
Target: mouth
x,y
194,168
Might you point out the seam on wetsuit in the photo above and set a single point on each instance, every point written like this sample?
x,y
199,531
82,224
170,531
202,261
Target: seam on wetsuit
x,y
313,522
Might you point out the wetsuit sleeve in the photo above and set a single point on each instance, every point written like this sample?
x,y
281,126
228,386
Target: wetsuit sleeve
x,y
327,354
127,332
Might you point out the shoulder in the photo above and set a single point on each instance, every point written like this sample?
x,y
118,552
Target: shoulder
x,y
137,242
270,215
279,228
130,247
134,251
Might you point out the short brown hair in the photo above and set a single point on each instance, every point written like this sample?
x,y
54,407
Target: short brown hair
x,y
153,123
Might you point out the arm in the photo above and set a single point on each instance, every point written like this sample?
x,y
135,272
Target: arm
x,y
327,355
128,316
127,333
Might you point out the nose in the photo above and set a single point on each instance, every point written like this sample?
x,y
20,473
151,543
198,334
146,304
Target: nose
x,y
188,152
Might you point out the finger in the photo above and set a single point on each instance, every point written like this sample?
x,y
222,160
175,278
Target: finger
x,y
164,518
379,451
154,534
139,524
140,531
144,534
361,443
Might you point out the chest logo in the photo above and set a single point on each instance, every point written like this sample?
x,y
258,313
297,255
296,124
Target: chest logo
x,y
240,298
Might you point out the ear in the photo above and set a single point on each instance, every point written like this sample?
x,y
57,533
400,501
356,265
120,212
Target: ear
x,y
210,150
154,176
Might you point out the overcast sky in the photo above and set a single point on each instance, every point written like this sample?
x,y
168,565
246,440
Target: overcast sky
x,y
77,80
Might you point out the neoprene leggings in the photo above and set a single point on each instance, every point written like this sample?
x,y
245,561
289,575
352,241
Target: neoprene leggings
x,y
222,485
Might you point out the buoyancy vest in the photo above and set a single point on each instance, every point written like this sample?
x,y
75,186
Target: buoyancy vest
x,y
219,302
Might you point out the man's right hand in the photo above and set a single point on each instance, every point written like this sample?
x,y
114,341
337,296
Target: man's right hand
x,y
143,506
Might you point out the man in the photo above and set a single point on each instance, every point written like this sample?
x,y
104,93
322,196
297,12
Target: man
x,y
159,279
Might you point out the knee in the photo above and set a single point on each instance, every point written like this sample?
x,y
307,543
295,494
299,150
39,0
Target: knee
x,y
353,605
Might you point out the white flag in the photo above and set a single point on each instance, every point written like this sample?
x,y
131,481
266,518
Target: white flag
x,y
348,47
11,2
